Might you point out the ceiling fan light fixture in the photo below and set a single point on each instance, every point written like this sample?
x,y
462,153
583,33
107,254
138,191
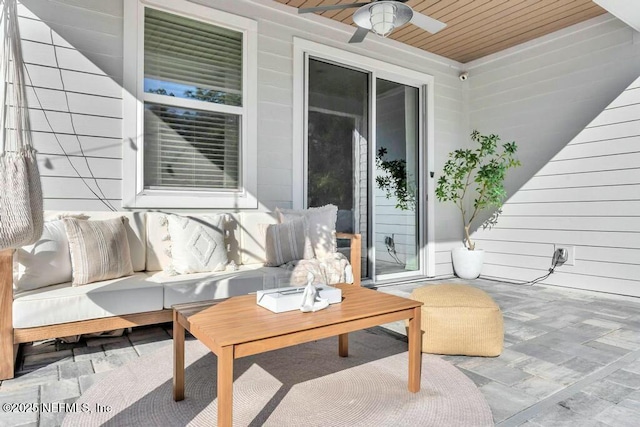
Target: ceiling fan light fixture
x,y
383,18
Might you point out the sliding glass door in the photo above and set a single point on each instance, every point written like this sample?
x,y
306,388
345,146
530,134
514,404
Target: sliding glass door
x,y
363,148
396,178
337,145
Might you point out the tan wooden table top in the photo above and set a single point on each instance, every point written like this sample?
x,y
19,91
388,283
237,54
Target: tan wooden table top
x,y
240,319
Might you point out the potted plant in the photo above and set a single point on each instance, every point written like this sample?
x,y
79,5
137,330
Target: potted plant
x,y
482,169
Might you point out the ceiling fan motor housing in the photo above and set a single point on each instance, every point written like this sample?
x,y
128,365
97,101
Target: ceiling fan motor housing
x,y
362,16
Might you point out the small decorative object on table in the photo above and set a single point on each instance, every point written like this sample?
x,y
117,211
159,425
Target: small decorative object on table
x,y
304,298
311,301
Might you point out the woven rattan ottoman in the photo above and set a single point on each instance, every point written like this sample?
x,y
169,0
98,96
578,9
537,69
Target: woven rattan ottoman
x,y
459,319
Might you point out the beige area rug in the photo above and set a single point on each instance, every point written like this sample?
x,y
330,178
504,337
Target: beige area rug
x,y
305,385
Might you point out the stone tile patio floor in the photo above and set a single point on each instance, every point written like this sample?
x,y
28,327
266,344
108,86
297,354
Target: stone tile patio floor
x,y
571,358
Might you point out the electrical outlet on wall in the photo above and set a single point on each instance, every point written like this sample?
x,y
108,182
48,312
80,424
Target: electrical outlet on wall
x,y
571,253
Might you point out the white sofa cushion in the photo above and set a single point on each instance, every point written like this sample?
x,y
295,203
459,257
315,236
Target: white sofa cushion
x,y
322,227
287,242
197,244
159,243
64,303
136,231
252,241
99,249
46,262
223,284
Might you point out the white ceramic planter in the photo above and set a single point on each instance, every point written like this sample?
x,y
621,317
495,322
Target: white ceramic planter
x,y
467,264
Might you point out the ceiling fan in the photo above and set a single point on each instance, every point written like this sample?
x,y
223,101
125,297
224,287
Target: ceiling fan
x,y
382,17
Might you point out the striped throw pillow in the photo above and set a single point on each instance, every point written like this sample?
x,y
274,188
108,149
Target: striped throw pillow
x,y
99,249
322,227
287,242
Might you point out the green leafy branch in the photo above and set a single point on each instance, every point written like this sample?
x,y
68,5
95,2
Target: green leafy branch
x,y
395,181
485,168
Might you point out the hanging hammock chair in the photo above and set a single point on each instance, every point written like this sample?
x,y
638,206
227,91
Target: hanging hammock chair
x,y
21,211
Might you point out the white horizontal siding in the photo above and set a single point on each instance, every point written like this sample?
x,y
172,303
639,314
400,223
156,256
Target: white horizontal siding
x,y
587,197
72,188
73,56
75,124
79,103
572,209
571,103
595,223
544,93
564,237
82,166
597,192
79,204
443,257
583,179
73,145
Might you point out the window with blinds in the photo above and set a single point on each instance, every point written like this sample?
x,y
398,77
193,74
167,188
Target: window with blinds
x,y
192,105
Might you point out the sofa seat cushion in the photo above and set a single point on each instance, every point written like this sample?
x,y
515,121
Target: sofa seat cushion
x,y
196,287
250,278
65,303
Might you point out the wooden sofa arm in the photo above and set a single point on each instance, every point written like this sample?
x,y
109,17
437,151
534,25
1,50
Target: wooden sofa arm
x,y
355,254
7,351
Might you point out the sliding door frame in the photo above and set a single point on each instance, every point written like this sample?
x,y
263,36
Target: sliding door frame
x,y
303,49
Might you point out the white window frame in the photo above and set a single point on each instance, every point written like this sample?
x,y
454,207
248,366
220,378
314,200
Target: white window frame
x,y
134,195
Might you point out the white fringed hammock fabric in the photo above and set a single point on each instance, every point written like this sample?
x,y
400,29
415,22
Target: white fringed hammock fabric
x,y
21,210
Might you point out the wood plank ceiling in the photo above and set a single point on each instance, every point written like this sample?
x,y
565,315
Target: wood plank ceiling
x,y
476,28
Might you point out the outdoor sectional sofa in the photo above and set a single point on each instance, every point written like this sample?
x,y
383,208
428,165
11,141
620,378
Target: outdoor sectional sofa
x,y
146,296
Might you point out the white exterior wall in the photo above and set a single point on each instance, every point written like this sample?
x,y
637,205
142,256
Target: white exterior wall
x,y
73,52
88,38
579,185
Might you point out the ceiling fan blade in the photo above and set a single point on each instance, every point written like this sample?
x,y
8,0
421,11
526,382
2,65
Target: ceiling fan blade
x,y
332,7
427,23
359,35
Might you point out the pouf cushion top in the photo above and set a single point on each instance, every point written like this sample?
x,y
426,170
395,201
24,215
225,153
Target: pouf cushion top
x,y
453,295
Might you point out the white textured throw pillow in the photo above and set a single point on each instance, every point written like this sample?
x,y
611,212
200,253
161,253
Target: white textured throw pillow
x,y
197,243
321,224
46,262
287,242
99,249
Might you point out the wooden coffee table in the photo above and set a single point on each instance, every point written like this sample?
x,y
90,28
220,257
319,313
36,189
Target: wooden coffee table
x,y
238,327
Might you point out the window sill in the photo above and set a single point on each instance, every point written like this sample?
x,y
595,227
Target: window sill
x,y
163,199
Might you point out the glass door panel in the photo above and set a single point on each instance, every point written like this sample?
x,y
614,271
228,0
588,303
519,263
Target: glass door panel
x,y
397,242
337,146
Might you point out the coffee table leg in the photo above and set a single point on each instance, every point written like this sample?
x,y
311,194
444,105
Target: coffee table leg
x,y
415,351
178,359
225,386
343,345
